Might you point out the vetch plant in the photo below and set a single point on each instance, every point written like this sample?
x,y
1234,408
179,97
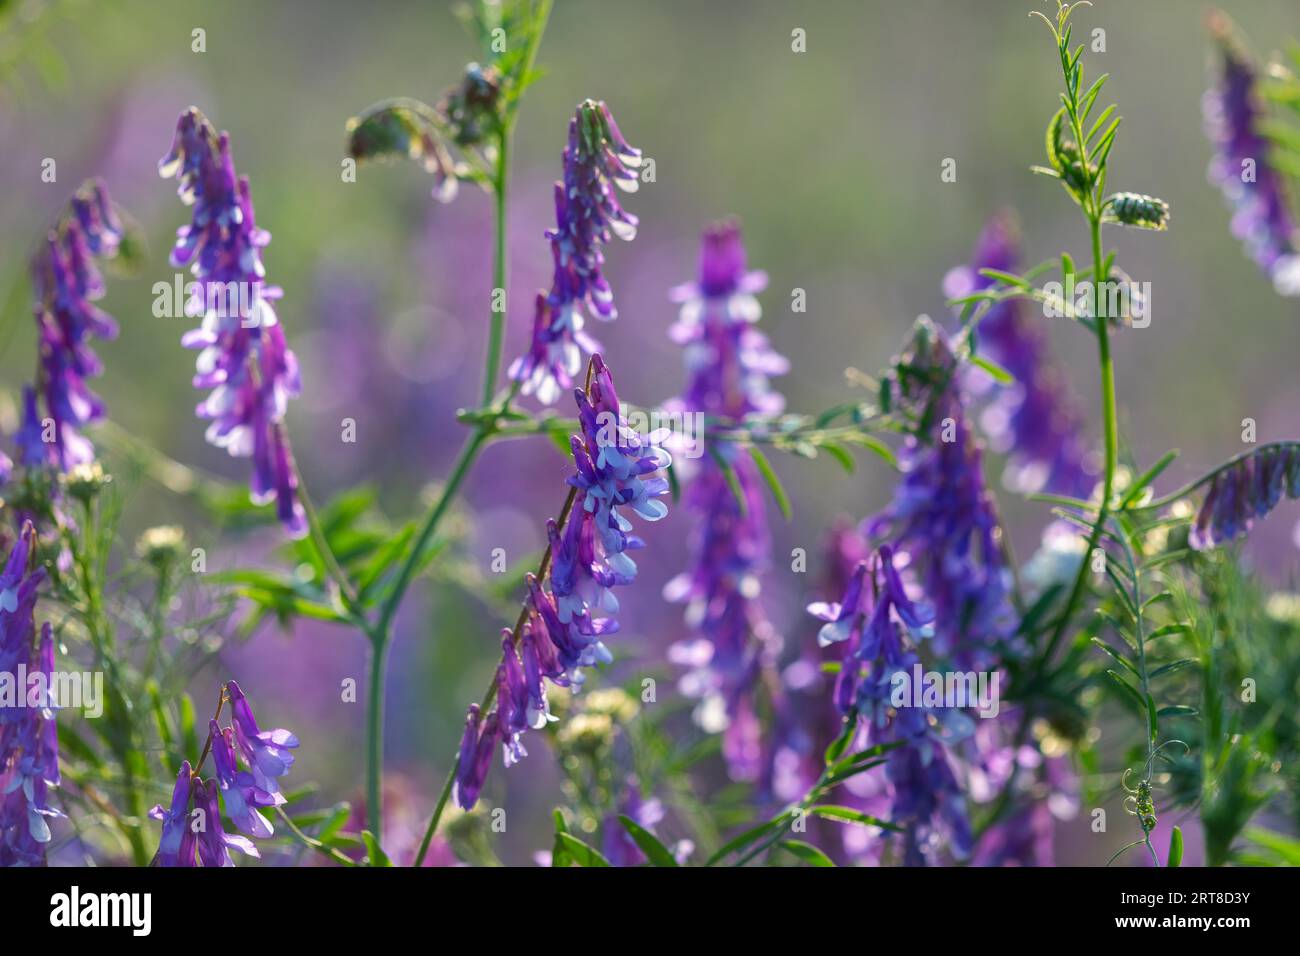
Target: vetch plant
x,y
746,735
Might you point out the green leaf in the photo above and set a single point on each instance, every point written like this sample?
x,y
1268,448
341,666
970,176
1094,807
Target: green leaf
x,y
1105,115
1129,690
1116,655
1177,710
871,443
577,852
840,455
773,482
1001,375
729,473
1174,667
1182,627
189,735
806,852
656,852
674,486
748,837
1288,848
1148,476
1175,857
375,854
849,815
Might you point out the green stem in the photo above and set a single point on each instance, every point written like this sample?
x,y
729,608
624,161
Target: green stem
x,y
375,734
1110,426
381,634
497,322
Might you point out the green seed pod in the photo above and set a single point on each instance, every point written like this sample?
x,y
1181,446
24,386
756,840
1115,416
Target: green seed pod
x,y
1137,210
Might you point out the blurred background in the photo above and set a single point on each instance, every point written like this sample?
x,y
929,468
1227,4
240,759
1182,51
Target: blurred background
x,y
831,159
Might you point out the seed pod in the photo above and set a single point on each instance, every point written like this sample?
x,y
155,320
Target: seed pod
x,y
1137,210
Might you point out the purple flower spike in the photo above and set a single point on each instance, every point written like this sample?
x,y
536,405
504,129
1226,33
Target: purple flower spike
x,y
881,620
1252,186
587,216
245,793
67,284
239,791
29,747
176,822
1250,489
729,364
243,357
943,520
567,615
266,752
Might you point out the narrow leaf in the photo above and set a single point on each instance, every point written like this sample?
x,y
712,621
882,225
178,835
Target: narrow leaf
x,y
773,482
656,852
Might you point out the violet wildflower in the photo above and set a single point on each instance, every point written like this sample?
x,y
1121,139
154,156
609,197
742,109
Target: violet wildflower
x,y
587,216
239,791
728,363
1034,421
475,759
943,518
1234,121
67,285
29,746
881,623
266,752
243,357
193,820
176,822
566,616
1248,489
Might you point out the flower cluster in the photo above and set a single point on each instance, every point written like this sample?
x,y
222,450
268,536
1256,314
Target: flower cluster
x,y
1034,420
1249,489
728,364
192,822
565,617
67,285
587,216
243,357
943,518
880,623
29,742
1254,189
